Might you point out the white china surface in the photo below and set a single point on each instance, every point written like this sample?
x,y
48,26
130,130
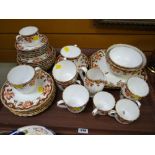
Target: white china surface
x,y
127,109
138,86
75,95
27,31
16,100
20,74
113,81
104,101
70,51
35,130
95,74
64,71
125,57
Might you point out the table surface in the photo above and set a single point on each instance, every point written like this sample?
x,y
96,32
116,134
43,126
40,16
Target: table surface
x,y
64,122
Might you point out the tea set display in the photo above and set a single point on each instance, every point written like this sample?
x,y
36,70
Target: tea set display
x,y
29,90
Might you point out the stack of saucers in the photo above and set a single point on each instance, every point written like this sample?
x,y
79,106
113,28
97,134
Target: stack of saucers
x,y
27,91
33,48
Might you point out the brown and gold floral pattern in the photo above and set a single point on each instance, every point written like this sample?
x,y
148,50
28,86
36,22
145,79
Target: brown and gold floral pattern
x,y
128,94
76,109
20,46
42,63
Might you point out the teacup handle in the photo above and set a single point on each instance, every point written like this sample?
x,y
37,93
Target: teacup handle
x,y
17,37
112,113
83,70
61,104
78,82
37,68
95,112
138,103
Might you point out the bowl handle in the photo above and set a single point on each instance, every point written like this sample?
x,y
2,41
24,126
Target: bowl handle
x,y
112,113
61,104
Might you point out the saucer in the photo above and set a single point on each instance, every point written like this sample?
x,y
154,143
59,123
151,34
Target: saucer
x,y
82,61
15,100
22,46
98,59
33,130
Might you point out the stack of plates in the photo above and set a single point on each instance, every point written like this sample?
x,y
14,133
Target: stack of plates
x,y
33,103
37,54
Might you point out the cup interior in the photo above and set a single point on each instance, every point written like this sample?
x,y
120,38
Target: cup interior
x,y
28,31
126,56
64,71
95,74
70,51
104,101
138,86
127,109
76,95
20,74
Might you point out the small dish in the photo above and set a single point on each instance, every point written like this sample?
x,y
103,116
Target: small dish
x,y
125,56
33,130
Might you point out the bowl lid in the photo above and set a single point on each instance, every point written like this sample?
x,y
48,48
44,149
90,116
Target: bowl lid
x,y
126,56
70,51
138,86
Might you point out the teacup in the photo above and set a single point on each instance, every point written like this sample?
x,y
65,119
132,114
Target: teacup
x,y
28,35
135,88
65,73
126,111
103,103
75,98
22,78
94,80
71,52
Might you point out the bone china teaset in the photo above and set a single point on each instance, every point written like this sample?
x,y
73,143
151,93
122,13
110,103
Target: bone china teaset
x,y
29,90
